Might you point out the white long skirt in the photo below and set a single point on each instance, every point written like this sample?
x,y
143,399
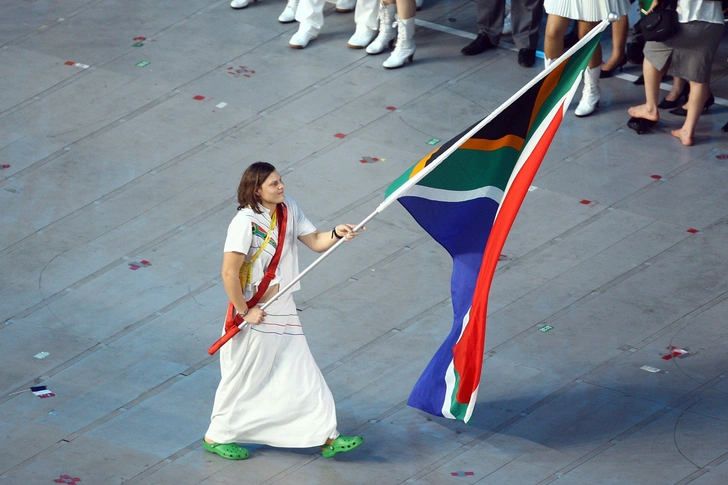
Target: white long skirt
x,y
271,391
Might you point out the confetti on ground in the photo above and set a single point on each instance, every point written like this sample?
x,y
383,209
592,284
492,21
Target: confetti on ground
x,y
142,264
41,355
462,474
502,257
142,64
546,328
42,392
66,479
585,202
433,141
220,105
532,188
240,70
140,38
649,368
656,177
137,44
674,352
693,231
77,64
722,156
5,165
198,97
369,160
391,108
339,135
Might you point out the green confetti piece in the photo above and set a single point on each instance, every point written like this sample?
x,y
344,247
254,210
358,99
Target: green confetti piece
x,y
143,64
433,141
137,44
546,328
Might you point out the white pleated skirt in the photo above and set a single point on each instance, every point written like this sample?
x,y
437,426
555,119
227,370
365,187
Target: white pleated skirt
x,y
271,391
587,10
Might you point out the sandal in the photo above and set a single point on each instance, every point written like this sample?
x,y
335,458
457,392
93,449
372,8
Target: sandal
x,y
230,451
341,444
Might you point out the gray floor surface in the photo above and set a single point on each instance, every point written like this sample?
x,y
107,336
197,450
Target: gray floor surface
x,y
124,128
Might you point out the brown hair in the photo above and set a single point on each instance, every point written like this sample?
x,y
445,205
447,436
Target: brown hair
x,y
252,179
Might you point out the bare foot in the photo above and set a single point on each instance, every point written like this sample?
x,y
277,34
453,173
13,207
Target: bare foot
x,y
684,137
644,112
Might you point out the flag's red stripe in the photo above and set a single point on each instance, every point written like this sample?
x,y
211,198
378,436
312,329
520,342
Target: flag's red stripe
x,y
468,352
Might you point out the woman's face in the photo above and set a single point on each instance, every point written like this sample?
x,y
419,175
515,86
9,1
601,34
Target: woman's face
x,y
271,190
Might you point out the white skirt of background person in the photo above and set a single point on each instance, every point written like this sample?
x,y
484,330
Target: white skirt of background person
x,y
586,10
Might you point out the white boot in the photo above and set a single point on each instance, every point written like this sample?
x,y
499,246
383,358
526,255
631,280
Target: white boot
x,y
386,29
362,37
590,94
547,63
239,3
405,50
289,13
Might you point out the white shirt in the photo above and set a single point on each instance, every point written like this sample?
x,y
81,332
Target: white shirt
x,y
703,11
246,234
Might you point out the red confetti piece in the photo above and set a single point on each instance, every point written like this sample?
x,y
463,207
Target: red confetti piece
x,y
6,166
675,352
502,257
70,63
230,68
66,479
140,38
391,108
339,135
462,474
585,202
721,156
246,75
145,262
199,98
693,230
656,176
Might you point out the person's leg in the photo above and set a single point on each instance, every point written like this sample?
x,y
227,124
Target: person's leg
x,y
387,33
310,15
591,92
553,42
648,110
619,42
526,18
699,92
490,26
366,15
404,51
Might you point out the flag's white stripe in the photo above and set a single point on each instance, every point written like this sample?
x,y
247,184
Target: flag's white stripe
x,y
443,156
444,195
450,373
537,135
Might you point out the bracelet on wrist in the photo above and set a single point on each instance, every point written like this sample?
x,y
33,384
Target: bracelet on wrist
x,y
334,233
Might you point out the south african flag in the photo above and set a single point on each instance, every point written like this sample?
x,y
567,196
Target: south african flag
x,y
466,196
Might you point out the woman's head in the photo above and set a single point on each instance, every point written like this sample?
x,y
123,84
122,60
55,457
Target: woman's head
x,y
260,184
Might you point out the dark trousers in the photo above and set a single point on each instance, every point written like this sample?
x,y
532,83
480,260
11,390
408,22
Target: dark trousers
x,y
526,18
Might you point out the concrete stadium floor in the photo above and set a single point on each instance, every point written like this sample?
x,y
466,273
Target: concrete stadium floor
x,y
114,154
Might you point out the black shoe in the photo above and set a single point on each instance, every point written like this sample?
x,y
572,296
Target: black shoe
x,y
526,57
640,125
667,104
640,80
607,73
481,44
683,112
725,127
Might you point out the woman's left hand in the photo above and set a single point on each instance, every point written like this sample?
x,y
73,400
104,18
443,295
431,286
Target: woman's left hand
x,y
346,231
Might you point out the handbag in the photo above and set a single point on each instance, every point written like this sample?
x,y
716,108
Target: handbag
x,y
660,24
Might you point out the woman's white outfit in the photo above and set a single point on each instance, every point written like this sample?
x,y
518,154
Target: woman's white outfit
x,y
271,390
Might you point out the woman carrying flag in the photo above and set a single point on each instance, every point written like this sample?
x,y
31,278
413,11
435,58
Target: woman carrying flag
x,y
271,391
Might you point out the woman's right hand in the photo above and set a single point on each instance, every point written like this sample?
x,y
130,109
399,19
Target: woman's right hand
x,y
255,315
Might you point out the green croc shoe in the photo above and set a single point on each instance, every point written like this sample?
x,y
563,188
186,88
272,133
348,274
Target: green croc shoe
x,y
341,444
231,451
